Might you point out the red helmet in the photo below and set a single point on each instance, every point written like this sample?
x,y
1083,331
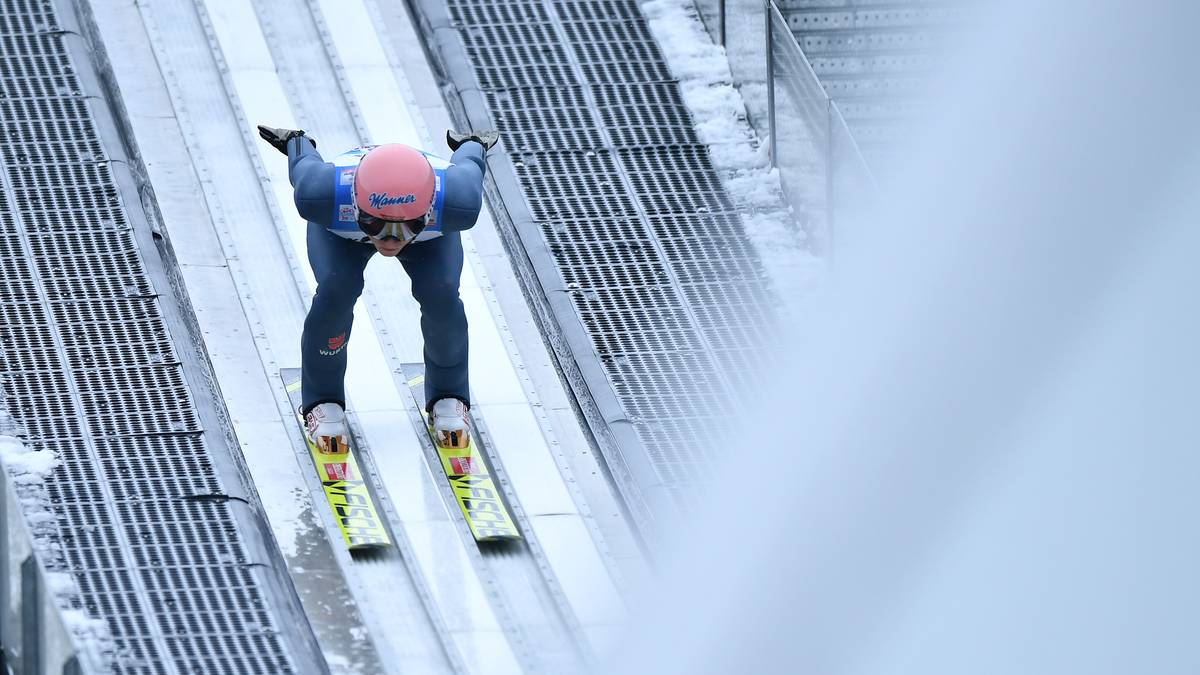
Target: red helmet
x,y
394,183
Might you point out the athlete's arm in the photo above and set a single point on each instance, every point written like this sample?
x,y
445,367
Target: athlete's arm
x,y
464,188
312,178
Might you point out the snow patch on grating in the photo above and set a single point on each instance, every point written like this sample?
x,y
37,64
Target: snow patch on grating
x,y
29,468
720,113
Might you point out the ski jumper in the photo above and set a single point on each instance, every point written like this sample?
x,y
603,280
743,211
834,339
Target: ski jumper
x,y
338,253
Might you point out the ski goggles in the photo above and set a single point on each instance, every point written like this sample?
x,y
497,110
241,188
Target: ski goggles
x,y
380,229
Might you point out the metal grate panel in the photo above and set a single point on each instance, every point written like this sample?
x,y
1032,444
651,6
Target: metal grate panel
x,y
499,13
521,66
635,95
618,52
608,32
587,10
647,242
489,36
623,71
91,374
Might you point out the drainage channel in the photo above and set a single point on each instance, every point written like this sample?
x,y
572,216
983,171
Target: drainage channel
x,y
658,303
100,367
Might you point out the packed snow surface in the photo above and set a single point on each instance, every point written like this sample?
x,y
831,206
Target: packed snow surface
x,y
720,113
25,465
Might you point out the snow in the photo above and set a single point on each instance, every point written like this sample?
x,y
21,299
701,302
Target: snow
x,y
742,160
26,466
28,469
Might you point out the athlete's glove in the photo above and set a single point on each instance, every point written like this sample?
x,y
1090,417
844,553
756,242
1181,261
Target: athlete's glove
x,y
485,138
278,138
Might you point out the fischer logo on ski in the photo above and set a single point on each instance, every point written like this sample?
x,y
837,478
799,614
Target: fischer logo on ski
x,y
355,513
466,469
354,509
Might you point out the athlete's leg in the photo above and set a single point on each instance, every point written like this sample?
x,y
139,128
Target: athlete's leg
x,y
435,267
338,265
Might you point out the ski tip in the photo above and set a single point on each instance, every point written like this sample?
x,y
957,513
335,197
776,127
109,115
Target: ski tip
x,y
369,550
503,546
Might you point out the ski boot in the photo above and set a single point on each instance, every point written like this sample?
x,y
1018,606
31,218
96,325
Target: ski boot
x,y
451,427
326,424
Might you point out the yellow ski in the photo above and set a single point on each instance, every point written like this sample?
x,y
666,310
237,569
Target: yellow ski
x,y
466,468
353,507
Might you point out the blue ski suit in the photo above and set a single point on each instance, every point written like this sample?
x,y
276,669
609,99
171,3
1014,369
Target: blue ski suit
x,y
338,253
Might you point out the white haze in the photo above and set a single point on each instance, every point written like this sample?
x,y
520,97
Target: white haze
x,y
990,462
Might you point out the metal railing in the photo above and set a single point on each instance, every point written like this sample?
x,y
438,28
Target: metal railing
x,y
820,166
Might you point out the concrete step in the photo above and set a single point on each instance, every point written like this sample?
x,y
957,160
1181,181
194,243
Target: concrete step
x,y
879,17
855,42
841,87
854,109
874,64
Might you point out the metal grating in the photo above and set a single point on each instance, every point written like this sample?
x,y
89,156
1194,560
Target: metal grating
x,y
648,243
90,372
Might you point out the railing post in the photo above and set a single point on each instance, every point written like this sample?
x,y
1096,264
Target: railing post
x,y
721,28
31,618
830,171
770,40
4,549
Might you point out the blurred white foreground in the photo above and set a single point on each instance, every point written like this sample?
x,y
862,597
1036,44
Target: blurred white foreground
x,y
989,463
